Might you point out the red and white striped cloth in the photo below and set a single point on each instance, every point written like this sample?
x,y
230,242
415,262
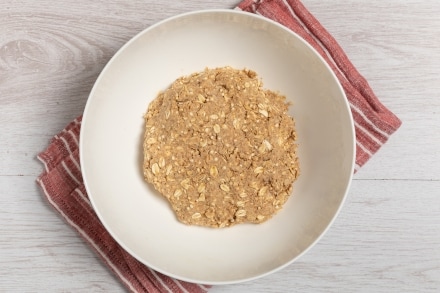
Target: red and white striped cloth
x,y
62,181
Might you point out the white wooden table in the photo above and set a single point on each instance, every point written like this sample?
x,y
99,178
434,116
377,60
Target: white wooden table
x,y
387,237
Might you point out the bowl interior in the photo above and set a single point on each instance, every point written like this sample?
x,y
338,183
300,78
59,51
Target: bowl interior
x,y
112,132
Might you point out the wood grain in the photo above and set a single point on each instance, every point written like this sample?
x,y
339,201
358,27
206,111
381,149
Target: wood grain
x,y
387,237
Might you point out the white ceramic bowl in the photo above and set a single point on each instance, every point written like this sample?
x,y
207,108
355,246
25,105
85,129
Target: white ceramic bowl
x,y
112,132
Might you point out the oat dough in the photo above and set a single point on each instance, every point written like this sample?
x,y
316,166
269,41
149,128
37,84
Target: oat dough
x,y
220,148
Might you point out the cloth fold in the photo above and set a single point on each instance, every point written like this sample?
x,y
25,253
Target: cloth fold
x,y
62,181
